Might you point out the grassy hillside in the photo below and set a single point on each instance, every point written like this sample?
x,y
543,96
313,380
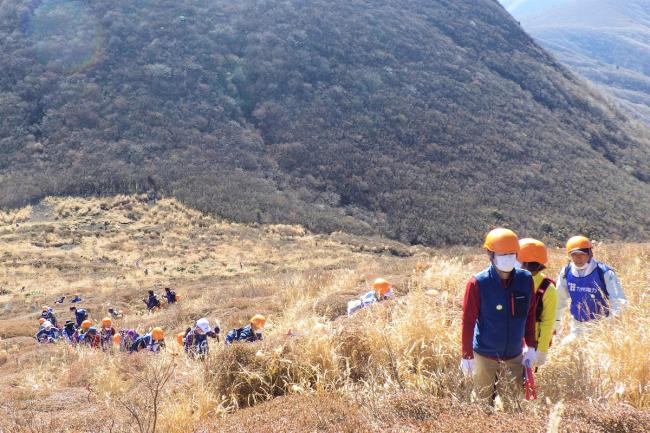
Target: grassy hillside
x,y
392,367
606,41
426,121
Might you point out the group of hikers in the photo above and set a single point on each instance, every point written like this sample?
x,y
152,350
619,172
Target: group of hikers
x,y
511,309
81,331
510,314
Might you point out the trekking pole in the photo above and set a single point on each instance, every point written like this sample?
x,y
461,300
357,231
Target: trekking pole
x,y
529,381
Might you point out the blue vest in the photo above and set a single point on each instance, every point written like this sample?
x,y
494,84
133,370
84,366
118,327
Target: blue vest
x,y
588,294
80,315
501,324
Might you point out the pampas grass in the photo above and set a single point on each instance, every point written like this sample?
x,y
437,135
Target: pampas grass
x,y
399,353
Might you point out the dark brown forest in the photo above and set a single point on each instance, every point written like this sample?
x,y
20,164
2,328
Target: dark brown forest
x,y
424,120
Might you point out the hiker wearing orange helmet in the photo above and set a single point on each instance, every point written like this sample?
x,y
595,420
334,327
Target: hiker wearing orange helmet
x,y
592,288
381,290
106,334
85,326
47,333
498,315
533,257
250,333
153,341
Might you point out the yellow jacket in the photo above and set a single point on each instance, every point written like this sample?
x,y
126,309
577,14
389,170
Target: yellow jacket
x,y
546,322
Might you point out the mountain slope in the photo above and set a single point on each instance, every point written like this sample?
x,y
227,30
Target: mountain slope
x,y
604,40
392,367
427,121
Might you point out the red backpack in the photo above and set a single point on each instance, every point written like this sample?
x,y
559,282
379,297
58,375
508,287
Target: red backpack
x,y
539,297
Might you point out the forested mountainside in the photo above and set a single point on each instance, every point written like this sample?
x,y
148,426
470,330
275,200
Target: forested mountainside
x,y
427,121
606,41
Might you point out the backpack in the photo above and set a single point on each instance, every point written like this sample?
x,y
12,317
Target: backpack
x,y
539,297
233,335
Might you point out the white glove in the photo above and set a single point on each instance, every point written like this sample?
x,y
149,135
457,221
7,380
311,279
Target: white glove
x,y
467,366
529,355
540,359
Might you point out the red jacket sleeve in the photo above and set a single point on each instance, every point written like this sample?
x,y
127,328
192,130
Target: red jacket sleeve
x,y
471,307
529,336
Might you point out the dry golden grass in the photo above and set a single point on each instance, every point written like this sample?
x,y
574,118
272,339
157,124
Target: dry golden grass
x,y
393,366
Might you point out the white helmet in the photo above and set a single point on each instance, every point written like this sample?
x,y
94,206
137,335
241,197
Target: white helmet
x,y
203,324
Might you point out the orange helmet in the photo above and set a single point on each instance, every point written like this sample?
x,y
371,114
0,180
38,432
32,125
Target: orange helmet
x,y
179,338
107,322
117,339
381,286
578,243
157,334
532,250
45,308
41,320
502,241
86,324
258,321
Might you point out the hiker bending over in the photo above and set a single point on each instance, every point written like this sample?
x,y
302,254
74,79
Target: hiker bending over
x,y
498,314
127,338
533,257
195,340
47,313
250,333
590,287
153,341
152,301
115,314
381,289
90,338
79,315
170,295
106,334
70,332
47,333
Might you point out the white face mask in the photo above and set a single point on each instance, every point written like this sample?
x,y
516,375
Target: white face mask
x,y
518,264
505,263
581,268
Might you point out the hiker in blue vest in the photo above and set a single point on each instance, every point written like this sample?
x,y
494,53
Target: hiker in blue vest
x,y
153,341
47,333
590,287
498,315
152,301
47,313
69,332
195,340
79,315
249,333
170,295
381,290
